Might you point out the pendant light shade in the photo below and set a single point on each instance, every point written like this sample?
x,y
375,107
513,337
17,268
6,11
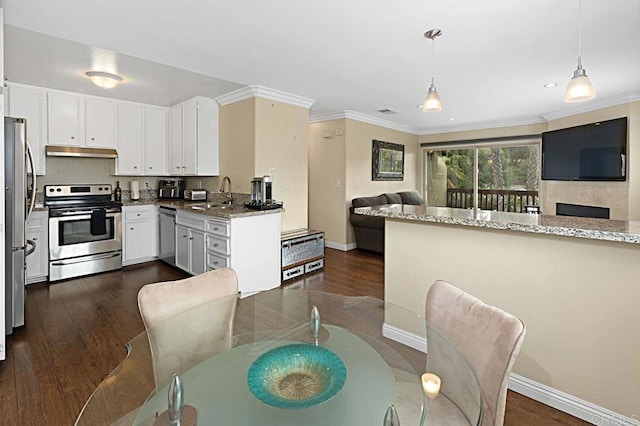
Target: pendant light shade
x,y
580,87
432,102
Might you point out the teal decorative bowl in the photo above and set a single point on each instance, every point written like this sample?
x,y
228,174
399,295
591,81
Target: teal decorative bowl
x,y
296,376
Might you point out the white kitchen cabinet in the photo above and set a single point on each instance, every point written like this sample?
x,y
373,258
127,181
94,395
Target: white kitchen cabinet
x,y
190,254
140,234
38,262
249,244
129,145
65,113
29,103
155,141
100,117
193,138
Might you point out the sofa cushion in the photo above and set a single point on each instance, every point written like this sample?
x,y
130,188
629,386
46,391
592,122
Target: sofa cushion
x,y
369,201
362,221
411,197
393,198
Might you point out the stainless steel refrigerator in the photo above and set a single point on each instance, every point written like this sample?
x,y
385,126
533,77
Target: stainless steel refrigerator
x,y
17,247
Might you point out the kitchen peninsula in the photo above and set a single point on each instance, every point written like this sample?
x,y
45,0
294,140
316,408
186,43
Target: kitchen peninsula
x,y
573,281
209,235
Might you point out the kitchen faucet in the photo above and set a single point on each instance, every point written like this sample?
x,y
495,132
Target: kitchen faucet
x,y
229,197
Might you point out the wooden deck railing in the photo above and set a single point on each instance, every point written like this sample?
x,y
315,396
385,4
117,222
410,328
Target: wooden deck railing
x,y
503,200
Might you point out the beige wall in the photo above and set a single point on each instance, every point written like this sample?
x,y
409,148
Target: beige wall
x,y
613,195
633,173
578,298
358,163
281,150
340,170
327,169
237,124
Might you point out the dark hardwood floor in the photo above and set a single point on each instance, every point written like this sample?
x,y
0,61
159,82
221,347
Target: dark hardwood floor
x,y
76,332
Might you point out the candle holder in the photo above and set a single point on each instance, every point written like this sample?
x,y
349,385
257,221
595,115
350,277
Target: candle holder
x,y
391,417
430,390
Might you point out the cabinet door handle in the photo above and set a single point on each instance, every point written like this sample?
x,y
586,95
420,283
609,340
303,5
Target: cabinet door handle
x,y
215,229
184,236
135,167
93,139
150,167
215,262
215,244
73,137
177,167
138,214
131,229
35,238
191,238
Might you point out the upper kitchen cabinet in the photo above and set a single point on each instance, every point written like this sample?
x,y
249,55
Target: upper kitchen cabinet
x,y
193,138
65,117
29,103
129,134
100,123
154,141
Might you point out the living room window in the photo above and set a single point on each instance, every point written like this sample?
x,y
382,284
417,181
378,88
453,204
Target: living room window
x,y
506,177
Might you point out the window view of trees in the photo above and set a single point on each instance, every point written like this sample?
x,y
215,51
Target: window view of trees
x,y
508,177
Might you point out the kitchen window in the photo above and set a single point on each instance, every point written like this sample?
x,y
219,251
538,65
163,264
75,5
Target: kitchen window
x,y
500,174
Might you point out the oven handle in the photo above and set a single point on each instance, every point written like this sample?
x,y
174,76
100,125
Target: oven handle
x,y
82,216
84,259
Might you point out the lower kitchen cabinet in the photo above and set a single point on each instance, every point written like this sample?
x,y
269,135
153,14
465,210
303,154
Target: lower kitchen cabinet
x,y
190,249
38,262
140,234
248,244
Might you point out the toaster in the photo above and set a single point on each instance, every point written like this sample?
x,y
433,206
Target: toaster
x,y
195,194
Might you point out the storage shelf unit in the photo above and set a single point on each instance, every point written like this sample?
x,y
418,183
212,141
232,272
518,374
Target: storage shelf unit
x,y
302,252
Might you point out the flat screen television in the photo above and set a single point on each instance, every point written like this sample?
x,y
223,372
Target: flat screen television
x,y
593,152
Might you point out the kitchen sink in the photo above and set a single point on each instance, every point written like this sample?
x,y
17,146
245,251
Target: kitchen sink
x,y
205,206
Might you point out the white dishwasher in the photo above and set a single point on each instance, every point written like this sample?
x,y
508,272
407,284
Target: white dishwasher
x,y
167,235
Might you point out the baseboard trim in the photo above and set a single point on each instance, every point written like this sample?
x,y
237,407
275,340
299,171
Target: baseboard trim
x,y
544,394
409,339
339,246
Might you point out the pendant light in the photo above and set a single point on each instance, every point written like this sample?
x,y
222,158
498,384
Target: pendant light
x,y
432,102
580,87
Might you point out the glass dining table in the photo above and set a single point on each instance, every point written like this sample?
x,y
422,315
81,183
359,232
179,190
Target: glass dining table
x,y
352,370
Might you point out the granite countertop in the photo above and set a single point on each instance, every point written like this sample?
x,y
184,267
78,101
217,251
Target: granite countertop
x,y
567,226
216,209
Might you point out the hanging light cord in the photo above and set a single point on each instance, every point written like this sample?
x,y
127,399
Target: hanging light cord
x,y
579,34
433,60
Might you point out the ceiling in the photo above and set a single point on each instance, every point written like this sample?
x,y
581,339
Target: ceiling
x,y
492,61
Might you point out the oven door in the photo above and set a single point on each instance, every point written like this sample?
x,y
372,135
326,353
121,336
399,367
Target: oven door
x,y
70,236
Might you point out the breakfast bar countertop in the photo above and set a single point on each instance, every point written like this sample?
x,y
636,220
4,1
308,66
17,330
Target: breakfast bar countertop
x,y
208,208
567,226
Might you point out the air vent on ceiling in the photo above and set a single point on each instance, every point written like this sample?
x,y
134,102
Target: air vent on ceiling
x,y
387,111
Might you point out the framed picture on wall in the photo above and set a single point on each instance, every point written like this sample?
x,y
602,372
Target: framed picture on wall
x,y
387,161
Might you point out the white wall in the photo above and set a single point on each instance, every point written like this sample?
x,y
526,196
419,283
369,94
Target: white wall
x,y
2,290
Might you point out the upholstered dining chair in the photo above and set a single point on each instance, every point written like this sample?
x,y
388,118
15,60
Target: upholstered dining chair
x,y
488,337
188,320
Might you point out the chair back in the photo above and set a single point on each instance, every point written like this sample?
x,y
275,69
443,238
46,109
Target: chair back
x,y
188,320
488,337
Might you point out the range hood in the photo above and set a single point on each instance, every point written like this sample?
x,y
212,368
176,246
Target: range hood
x,y
78,151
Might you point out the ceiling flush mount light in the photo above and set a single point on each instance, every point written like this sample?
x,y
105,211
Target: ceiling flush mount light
x,y
580,87
432,102
104,80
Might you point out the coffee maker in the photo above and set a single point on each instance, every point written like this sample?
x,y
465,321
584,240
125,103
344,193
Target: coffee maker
x,y
262,195
261,190
171,188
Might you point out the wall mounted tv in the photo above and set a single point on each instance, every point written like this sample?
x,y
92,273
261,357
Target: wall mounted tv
x,y
593,152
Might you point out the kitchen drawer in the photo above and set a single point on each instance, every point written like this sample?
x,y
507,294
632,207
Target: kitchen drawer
x,y
218,227
313,266
218,244
292,273
215,261
38,220
137,214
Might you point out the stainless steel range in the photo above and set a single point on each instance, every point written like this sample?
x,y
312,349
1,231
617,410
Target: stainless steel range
x,y
85,230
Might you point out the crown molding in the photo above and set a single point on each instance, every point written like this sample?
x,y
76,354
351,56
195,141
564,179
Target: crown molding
x,y
593,106
248,92
521,121
364,118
